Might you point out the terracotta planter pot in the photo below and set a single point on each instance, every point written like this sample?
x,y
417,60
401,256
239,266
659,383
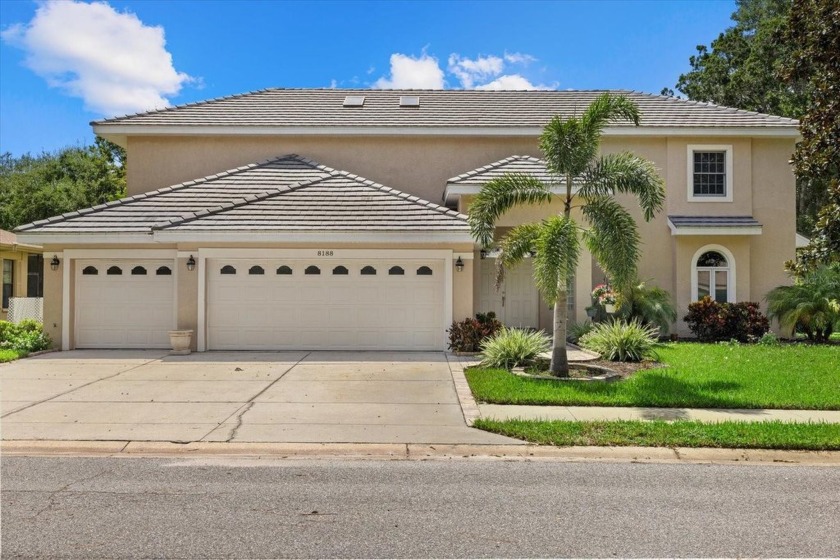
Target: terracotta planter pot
x,y
180,341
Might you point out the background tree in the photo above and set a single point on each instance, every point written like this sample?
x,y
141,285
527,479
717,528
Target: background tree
x,y
37,187
570,148
743,68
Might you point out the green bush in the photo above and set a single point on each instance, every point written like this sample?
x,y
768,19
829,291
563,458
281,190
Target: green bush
x,y
26,336
577,330
711,321
769,339
649,305
622,341
466,335
514,347
811,306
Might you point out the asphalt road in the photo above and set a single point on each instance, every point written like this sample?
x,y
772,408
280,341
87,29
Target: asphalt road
x,y
241,508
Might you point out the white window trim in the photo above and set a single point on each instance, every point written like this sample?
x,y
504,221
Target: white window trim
x,y
730,259
726,148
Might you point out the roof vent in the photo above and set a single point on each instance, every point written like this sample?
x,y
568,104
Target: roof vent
x,y
354,101
409,101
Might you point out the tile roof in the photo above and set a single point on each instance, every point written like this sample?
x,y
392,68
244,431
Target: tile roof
x,y
713,221
438,108
282,194
529,165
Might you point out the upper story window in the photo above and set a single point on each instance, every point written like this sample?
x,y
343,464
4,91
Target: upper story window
x,y
709,173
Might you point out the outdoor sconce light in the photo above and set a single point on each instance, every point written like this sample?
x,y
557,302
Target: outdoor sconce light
x,y
459,264
55,262
191,263
483,254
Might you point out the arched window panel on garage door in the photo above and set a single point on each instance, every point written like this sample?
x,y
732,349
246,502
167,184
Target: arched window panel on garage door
x,y
227,269
340,271
396,271
256,270
114,271
312,269
138,271
368,271
424,271
284,270
90,271
163,271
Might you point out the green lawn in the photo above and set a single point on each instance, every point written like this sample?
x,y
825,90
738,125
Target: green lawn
x,y
9,355
696,376
745,435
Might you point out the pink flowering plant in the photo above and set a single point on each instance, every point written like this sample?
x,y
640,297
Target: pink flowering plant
x,y
604,295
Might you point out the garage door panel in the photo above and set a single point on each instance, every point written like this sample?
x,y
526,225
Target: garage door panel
x,y
326,311
123,310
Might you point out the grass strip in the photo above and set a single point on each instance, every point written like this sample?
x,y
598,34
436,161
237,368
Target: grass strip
x,y
696,376
681,433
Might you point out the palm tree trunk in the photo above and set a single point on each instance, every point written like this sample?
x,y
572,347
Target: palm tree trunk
x,y
559,359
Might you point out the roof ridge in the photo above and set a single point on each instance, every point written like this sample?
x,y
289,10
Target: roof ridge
x,y
494,165
162,190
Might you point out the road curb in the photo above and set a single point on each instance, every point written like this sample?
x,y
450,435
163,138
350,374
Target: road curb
x,y
417,452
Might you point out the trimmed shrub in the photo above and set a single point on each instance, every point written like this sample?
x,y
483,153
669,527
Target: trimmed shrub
x,y
26,336
622,341
514,347
577,330
466,335
711,321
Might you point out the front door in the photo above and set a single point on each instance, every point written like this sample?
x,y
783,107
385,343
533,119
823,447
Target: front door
x,y
516,302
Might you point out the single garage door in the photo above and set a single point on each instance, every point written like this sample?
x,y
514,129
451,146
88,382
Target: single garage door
x,y
332,305
124,303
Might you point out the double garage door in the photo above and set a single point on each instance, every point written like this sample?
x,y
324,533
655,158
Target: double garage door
x,y
340,305
373,304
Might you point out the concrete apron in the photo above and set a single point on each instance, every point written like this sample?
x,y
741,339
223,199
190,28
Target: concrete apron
x,y
273,397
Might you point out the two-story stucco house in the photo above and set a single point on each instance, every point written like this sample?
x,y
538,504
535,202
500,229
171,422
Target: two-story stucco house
x,y
335,219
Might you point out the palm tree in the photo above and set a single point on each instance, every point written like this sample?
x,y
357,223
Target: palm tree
x,y
651,305
570,148
811,306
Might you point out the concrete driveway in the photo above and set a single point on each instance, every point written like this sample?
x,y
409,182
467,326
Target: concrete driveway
x,y
124,395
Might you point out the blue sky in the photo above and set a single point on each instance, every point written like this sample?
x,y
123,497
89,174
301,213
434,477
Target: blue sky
x,y
63,64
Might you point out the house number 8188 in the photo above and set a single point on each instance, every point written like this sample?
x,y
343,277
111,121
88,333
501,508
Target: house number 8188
x,y
325,253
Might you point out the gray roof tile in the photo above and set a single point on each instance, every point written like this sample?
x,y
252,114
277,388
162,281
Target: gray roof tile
x,y
529,165
438,108
713,221
289,193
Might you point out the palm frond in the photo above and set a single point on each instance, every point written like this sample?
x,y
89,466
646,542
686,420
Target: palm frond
x,y
605,108
500,195
625,173
519,242
558,251
613,239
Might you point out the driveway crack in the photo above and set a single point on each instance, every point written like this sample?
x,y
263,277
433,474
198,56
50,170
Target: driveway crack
x,y
240,412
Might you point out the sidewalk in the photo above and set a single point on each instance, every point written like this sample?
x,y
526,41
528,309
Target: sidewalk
x,y
589,413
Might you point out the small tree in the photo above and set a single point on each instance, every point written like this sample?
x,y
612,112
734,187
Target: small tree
x,y
570,148
811,306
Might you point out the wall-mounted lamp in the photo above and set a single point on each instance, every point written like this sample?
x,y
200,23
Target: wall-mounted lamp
x,y
54,263
483,254
191,263
459,264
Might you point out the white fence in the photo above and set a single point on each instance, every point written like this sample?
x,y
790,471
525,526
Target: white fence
x,y
21,308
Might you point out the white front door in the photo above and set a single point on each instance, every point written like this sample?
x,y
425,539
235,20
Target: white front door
x,y
516,302
340,304
124,303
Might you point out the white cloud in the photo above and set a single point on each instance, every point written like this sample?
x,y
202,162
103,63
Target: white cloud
x,y
519,58
511,82
469,71
111,60
408,72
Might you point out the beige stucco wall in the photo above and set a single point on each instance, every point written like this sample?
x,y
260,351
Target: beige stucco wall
x,y
419,165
